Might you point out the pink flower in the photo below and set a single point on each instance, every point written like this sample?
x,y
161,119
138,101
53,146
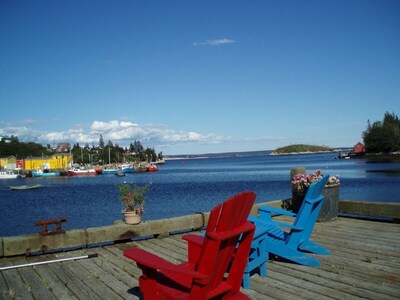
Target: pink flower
x,y
301,182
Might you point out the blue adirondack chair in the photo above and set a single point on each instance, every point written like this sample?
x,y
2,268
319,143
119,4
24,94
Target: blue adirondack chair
x,y
292,243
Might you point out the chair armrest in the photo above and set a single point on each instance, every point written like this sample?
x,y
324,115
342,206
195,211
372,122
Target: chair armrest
x,y
151,261
275,211
290,226
194,239
246,227
195,244
218,236
258,221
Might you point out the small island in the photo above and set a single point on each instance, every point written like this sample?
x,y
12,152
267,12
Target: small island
x,y
301,149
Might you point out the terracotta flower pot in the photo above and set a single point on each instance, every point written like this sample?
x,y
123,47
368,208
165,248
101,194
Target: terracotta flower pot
x,y
132,218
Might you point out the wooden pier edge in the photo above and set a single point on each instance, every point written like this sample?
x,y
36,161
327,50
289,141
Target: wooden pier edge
x,y
83,238
389,210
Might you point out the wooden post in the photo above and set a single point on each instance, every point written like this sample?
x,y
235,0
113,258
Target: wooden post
x,y
295,171
294,203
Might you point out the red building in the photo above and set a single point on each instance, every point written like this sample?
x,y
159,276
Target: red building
x,y
359,148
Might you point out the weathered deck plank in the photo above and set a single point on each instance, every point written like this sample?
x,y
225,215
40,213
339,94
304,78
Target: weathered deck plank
x,y
4,289
51,281
365,264
35,284
17,288
73,281
327,284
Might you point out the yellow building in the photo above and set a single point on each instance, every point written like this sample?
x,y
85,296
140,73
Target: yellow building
x,y
55,162
8,162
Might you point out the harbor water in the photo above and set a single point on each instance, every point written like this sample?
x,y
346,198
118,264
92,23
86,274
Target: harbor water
x,y
185,186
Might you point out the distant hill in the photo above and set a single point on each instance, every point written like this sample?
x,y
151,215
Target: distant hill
x,y
301,149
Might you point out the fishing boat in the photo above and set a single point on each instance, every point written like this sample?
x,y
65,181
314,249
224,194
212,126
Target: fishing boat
x,y
45,173
82,171
152,168
127,168
8,175
25,187
109,171
120,174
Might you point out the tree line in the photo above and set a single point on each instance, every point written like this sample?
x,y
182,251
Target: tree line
x,y
104,153
13,147
110,153
383,136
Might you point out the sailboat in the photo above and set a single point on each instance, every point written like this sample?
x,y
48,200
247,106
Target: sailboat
x,y
109,171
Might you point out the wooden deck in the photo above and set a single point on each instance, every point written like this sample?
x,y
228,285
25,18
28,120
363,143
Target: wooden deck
x,y
365,264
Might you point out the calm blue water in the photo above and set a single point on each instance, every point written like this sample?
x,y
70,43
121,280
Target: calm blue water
x,y
184,187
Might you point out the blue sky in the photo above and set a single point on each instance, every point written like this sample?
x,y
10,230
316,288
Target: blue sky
x,y
192,77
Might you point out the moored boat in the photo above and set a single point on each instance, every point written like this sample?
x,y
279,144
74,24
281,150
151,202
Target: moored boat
x,y
42,173
127,168
8,175
25,187
109,171
80,171
152,168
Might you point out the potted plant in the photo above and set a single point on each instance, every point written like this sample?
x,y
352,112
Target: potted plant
x,y
300,183
132,199
330,206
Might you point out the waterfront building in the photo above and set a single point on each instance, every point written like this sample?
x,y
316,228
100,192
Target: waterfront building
x,y
54,162
8,162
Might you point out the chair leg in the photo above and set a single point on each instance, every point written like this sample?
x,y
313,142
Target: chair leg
x,y
263,253
263,270
148,282
293,255
257,260
314,248
246,280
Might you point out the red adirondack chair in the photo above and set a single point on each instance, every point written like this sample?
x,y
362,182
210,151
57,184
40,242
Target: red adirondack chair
x,y
226,244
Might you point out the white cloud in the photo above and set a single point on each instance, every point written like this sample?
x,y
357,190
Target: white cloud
x,y
216,42
125,132
114,124
119,132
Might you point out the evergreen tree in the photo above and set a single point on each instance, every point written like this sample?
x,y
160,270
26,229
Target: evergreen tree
x,y
383,136
101,142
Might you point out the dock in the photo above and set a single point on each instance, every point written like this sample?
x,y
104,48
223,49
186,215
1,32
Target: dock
x,y
364,264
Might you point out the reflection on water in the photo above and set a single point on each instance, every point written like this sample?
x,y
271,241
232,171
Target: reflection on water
x,y
184,187
390,172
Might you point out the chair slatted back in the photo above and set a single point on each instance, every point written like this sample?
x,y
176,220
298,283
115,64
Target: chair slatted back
x,y
308,212
227,226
